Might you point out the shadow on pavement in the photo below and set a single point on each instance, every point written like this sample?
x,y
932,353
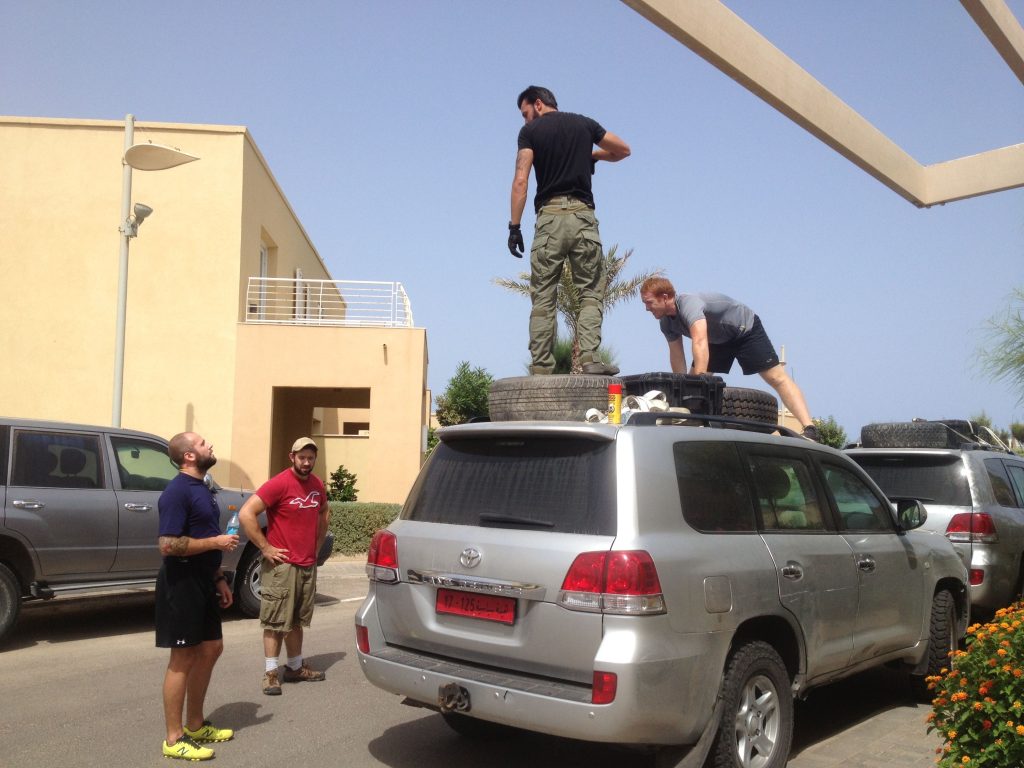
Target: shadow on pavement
x,y
68,618
835,708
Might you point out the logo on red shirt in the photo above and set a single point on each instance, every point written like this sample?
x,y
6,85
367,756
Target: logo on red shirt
x,y
310,501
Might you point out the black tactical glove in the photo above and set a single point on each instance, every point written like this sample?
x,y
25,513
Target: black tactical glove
x,y
515,241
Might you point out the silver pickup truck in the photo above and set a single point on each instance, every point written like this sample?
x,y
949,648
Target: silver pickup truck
x,y
80,514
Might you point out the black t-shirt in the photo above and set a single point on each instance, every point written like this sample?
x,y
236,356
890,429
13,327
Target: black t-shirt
x,y
562,143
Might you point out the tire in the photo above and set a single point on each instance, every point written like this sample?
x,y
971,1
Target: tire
x,y
750,404
474,728
757,717
247,584
909,434
558,397
942,640
10,601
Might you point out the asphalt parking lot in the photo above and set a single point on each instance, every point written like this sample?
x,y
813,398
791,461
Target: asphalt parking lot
x,y
84,674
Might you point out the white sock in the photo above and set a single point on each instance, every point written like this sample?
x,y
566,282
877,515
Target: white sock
x,y
271,663
295,662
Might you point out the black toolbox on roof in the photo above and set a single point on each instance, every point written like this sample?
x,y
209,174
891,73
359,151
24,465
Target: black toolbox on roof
x,y
700,394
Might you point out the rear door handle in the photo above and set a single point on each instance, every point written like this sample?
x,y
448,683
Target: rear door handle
x,y
866,563
31,504
137,507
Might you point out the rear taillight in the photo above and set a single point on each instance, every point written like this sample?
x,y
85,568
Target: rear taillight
x,y
605,684
362,639
972,527
623,583
382,558
976,576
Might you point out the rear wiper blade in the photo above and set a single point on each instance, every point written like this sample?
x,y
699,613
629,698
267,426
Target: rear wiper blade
x,y
486,518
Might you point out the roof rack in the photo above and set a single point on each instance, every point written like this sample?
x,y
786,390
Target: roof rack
x,y
672,418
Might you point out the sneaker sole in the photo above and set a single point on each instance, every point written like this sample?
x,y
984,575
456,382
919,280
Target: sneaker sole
x,y
272,692
188,759
211,741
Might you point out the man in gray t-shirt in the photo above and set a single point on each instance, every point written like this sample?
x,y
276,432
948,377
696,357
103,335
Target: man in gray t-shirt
x,y
721,330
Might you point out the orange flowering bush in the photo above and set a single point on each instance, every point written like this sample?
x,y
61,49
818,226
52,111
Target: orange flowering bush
x,y
978,707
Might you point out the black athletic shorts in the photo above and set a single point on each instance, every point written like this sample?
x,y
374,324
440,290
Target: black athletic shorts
x,y
187,605
753,349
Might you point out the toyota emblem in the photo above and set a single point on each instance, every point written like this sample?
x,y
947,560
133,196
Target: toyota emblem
x,y
470,557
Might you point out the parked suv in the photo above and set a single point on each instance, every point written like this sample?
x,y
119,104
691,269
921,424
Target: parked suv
x,y
80,513
649,583
974,491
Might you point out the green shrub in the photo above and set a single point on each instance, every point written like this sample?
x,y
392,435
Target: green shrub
x,y
353,523
978,707
342,485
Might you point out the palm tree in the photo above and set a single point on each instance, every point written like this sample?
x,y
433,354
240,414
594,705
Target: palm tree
x,y
567,302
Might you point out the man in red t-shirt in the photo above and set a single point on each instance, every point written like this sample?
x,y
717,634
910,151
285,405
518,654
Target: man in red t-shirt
x,y
297,515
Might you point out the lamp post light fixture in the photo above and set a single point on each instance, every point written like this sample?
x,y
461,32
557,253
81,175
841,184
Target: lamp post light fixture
x,y
142,157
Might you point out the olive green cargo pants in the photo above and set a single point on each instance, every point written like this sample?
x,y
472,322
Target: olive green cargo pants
x,y
566,229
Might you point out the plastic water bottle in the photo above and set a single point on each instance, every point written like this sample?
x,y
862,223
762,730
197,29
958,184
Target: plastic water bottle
x,y
233,525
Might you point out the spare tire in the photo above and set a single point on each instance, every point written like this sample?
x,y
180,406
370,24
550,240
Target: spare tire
x,y
750,404
911,434
557,397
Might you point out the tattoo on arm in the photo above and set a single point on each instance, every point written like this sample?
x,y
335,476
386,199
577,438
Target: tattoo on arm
x,y
174,545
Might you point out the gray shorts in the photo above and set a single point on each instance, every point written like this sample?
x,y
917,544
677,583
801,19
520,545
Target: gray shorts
x,y
287,594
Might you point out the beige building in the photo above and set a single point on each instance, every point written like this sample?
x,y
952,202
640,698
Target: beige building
x,y
234,327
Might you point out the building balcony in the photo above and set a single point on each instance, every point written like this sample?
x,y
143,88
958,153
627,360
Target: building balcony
x,y
340,303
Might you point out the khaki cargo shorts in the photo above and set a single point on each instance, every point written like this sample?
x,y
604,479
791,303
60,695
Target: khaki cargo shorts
x,y
287,595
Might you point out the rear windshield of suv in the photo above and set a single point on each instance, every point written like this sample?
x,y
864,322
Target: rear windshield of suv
x,y
565,485
938,479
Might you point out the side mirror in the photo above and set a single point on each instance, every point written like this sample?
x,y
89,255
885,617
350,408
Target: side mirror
x,y
910,513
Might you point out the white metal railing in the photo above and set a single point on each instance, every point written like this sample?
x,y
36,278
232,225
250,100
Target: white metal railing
x,y
351,303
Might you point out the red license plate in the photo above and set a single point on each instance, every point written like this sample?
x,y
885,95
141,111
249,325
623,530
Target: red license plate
x,y
476,606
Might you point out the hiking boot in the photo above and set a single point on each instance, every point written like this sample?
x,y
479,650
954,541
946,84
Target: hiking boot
x,y
272,683
186,749
207,733
303,675
811,433
600,369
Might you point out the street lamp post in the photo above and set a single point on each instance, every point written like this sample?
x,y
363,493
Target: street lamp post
x,y
142,157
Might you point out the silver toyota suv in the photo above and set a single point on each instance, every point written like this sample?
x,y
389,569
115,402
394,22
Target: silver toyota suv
x,y
649,584
973,488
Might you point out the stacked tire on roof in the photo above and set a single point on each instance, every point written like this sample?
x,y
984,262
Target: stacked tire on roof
x,y
568,398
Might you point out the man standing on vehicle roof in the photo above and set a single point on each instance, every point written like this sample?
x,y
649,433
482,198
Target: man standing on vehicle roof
x,y
721,330
559,146
297,516
190,591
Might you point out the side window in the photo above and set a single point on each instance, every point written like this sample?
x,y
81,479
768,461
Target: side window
x,y
859,508
786,494
142,465
712,488
57,460
1016,477
1000,483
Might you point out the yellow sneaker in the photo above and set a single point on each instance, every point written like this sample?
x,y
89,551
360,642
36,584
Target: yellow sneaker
x,y
206,732
186,749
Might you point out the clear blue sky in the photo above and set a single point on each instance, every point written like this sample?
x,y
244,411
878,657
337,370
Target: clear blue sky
x,y
391,127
